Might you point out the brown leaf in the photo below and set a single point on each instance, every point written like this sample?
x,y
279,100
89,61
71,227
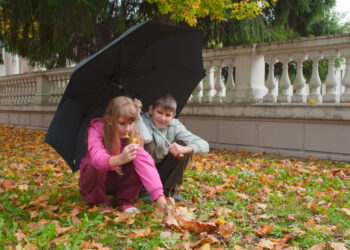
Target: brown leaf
x,y
338,246
75,212
93,209
143,232
243,196
310,223
186,236
7,183
206,246
264,230
199,227
60,198
266,244
62,230
291,217
319,246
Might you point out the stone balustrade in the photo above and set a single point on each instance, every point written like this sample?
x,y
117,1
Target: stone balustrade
x,y
39,88
249,84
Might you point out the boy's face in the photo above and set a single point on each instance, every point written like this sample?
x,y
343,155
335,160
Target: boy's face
x,y
161,117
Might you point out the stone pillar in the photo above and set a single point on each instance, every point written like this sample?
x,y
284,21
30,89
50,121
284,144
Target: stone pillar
x,y
285,84
331,82
250,78
42,90
219,84
208,83
300,95
345,97
271,82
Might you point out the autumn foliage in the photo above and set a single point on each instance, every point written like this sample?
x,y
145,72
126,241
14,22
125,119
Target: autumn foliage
x,y
233,200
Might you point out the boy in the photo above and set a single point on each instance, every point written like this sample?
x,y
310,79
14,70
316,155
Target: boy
x,y
171,161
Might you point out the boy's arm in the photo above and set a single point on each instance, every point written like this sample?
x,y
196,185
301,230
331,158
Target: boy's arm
x,y
198,145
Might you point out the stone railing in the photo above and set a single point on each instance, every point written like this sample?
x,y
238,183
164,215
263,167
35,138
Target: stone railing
x,y
249,63
39,88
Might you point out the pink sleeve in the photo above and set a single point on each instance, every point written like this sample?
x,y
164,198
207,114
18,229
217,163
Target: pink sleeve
x,y
148,173
98,153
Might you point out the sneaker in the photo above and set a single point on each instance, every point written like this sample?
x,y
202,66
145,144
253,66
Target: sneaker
x,y
146,199
128,208
106,210
177,198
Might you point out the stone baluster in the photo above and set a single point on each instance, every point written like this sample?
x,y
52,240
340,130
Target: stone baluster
x,y
300,95
32,90
17,92
271,82
9,92
315,81
208,83
285,84
198,93
25,91
219,84
230,84
345,97
331,82
52,98
2,92
20,93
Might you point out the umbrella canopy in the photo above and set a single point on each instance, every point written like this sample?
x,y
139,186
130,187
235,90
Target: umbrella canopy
x,y
147,60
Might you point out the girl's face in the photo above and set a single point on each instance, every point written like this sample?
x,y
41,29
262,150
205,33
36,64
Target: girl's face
x,y
124,126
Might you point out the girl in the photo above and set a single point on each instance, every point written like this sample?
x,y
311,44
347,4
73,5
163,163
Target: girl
x,y
110,166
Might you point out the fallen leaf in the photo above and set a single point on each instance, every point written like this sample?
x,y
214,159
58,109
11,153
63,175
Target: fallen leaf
x,y
319,246
264,243
264,230
338,246
310,223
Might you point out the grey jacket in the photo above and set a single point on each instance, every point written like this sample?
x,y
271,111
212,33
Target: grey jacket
x,y
175,131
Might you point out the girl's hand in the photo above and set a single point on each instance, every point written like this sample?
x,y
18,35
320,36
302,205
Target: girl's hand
x,y
162,204
129,153
119,170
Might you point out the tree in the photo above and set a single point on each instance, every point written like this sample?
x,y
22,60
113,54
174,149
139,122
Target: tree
x,y
190,10
56,32
283,20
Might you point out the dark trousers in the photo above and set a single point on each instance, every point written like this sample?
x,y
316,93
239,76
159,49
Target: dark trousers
x,y
170,169
96,185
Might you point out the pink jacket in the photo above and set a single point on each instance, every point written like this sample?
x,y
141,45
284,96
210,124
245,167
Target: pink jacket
x,y
97,156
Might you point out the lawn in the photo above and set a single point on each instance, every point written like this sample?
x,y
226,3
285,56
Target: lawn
x,y
233,200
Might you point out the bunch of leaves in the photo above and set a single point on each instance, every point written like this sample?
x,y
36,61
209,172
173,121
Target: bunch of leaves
x,y
232,200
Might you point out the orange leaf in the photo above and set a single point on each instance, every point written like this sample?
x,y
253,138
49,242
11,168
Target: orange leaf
x,y
264,230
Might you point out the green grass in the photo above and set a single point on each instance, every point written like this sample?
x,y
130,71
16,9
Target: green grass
x,y
302,198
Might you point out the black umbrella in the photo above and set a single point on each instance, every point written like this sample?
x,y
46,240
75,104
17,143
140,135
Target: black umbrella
x,y
147,60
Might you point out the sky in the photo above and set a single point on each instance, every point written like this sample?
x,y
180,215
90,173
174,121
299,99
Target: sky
x,y
343,6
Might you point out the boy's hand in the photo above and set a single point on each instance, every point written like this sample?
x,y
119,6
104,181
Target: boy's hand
x,y
129,153
176,149
138,104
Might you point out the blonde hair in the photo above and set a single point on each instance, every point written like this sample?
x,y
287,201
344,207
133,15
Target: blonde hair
x,y
117,107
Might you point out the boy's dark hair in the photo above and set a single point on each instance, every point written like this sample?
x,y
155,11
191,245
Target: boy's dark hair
x,y
166,101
